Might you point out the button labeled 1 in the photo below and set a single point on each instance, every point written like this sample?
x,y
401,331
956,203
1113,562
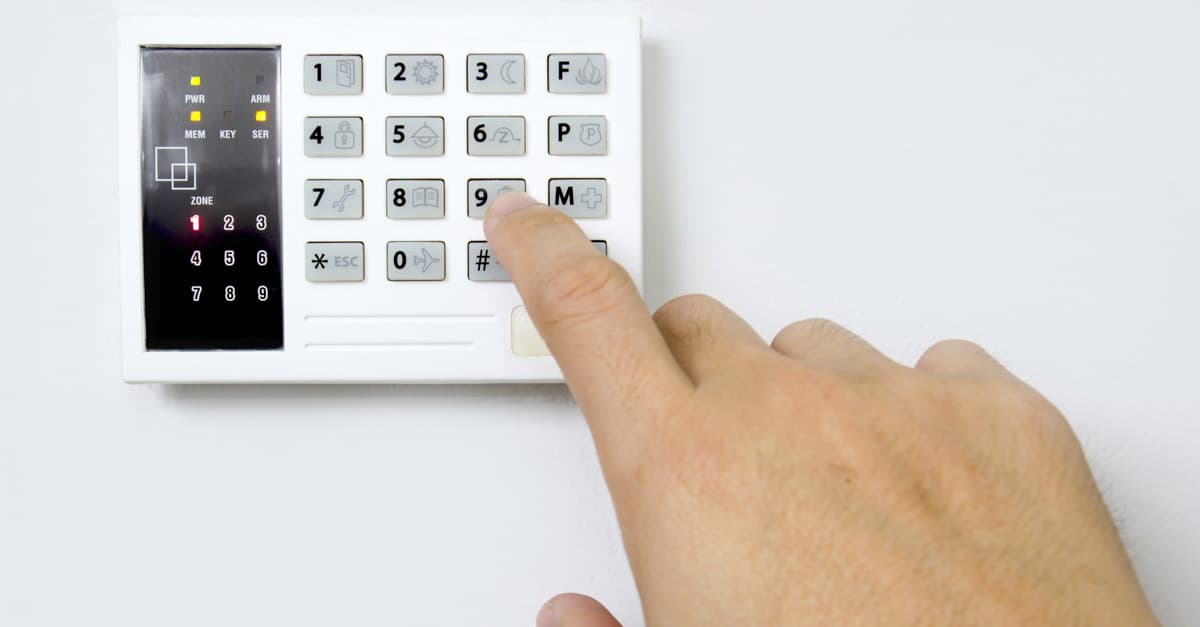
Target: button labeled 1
x,y
496,136
333,137
481,193
416,261
577,73
327,74
578,135
333,261
496,73
333,199
580,198
415,136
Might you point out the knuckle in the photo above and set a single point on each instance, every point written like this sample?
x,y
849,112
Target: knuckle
x,y
951,351
809,331
688,315
588,286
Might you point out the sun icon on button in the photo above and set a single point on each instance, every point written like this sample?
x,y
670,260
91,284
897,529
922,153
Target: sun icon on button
x,y
425,71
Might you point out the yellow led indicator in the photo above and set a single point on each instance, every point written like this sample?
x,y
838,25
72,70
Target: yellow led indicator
x,y
195,81
195,117
260,116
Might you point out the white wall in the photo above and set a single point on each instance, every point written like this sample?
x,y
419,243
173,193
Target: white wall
x,y
1021,172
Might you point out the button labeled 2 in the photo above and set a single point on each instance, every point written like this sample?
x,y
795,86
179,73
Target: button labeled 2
x,y
415,73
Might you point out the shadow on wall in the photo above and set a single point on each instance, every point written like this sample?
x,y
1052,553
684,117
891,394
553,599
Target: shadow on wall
x,y
661,216
330,401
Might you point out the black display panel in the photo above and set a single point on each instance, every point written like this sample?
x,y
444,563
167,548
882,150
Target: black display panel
x,y
210,198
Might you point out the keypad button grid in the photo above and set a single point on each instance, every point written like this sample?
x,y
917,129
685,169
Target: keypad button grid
x,y
493,136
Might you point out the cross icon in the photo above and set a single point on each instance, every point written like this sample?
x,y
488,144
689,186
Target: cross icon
x,y
592,198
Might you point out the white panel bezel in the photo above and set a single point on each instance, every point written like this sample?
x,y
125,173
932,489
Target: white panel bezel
x,y
381,331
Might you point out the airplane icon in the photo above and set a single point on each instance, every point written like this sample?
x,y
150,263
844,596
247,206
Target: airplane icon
x,y
425,260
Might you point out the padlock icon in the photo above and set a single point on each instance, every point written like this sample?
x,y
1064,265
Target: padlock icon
x,y
344,138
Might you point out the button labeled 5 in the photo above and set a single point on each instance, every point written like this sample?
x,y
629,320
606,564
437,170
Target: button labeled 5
x,y
415,136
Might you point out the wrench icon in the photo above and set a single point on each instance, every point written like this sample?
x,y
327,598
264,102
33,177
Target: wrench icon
x,y
340,204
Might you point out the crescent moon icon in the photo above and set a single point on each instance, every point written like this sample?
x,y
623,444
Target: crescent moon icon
x,y
506,72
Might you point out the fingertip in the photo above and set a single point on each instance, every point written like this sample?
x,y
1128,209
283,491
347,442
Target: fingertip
x,y
509,202
575,610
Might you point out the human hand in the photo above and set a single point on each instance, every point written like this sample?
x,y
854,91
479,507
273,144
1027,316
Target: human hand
x,y
813,481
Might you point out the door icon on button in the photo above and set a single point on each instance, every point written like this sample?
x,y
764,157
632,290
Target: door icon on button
x,y
345,73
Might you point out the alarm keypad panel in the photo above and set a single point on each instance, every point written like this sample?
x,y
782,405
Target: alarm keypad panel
x,y
302,199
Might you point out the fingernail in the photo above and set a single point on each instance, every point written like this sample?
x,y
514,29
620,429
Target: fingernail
x,y
545,617
509,202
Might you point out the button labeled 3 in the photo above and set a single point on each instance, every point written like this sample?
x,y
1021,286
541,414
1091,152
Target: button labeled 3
x,y
496,73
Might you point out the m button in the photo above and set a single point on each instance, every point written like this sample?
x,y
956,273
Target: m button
x,y
580,198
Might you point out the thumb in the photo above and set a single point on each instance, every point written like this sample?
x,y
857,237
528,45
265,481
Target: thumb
x,y
575,610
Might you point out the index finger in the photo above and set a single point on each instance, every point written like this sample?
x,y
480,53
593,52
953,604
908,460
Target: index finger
x,y
587,309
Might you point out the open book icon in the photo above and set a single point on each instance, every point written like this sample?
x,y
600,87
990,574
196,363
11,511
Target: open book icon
x,y
426,197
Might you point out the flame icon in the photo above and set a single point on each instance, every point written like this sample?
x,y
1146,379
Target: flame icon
x,y
589,74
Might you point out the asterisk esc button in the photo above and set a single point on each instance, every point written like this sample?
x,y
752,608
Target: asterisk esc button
x,y
333,261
